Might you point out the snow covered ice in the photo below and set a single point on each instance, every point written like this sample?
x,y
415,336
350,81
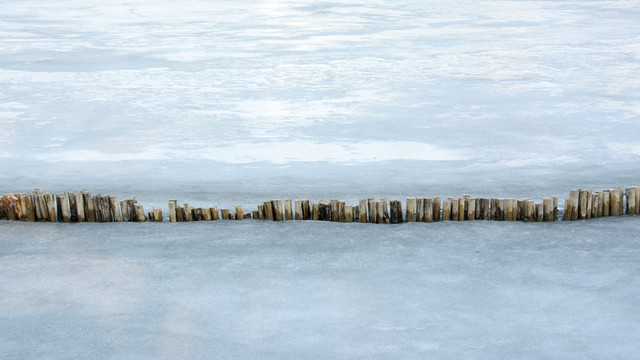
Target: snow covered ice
x,y
227,103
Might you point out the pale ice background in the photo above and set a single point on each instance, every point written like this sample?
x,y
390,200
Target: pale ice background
x,y
225,103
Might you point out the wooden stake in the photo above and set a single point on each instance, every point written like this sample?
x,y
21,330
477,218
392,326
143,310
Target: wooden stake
x,y
395,215
461,208
63,208
471,210
540,212
116,216
140,217
214,213
615,202
157,214
288,212
324,210
124,208
455,209
348,213
420,210
335,211
306,210
436,208
373,211
89,209
363,210
268,210
379,212
574,197
446,210
630,194
225,214
206,214
240,212
315,211
298,209
341,211
428,210
411,209
277,209
547,204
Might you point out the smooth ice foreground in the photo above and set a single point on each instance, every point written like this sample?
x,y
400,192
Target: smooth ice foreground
x,y
254,290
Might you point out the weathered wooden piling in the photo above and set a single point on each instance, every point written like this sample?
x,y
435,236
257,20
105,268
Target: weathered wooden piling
x,y
306,210
356,212
471,209
173,204
363,210
446,210
140,217
277,209
298,209
348,213
373,210
225,214
437,204
315,211
455,209
630,194
411,209
335,211
547,205
428,209
420,210
530,210
324,210
395,214
239,212
62,208
288,211
615,202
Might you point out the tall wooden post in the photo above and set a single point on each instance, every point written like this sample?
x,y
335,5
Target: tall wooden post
x,y
288,211
363,210
298,209
239,212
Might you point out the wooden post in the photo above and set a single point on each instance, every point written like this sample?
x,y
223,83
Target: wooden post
x,y
124,209
277,208
37,204
582,204
373,211
530,210
436,208
115,209
471,210
288,211
50,206
385,211
461,208
606,203
615,202
63,208
198,214
268,210
134,213
187,212
620,190
502,207
315,211
261,212
630,194
151,216
428,210
298,209
395,214
363,210
547,204
555,208
239,212
455,208
356,212
173,204
446,210
335,211
341,211
214,213
485,207
73,207
31,214
140,213
348,213
324,210
89,210
80,205
206,214
411,209
225,214
574,197
420,210
379,212
566,216
600,207
540,212
157,214
520,209
306,210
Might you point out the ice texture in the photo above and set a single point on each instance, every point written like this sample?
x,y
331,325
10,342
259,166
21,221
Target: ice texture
x,y
221,103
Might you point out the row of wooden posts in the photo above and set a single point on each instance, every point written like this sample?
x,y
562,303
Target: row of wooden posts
x,y
82,207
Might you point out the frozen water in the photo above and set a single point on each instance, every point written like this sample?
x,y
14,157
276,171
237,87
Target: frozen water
x,y
248,290
225,103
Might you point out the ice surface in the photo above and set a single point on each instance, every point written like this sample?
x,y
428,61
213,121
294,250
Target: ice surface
x,y
248,290
225,103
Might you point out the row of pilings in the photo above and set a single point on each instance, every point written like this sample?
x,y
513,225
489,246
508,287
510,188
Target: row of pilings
x,y
73,207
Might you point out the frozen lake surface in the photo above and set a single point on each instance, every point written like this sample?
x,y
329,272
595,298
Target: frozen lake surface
x,y
254,290
226,103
